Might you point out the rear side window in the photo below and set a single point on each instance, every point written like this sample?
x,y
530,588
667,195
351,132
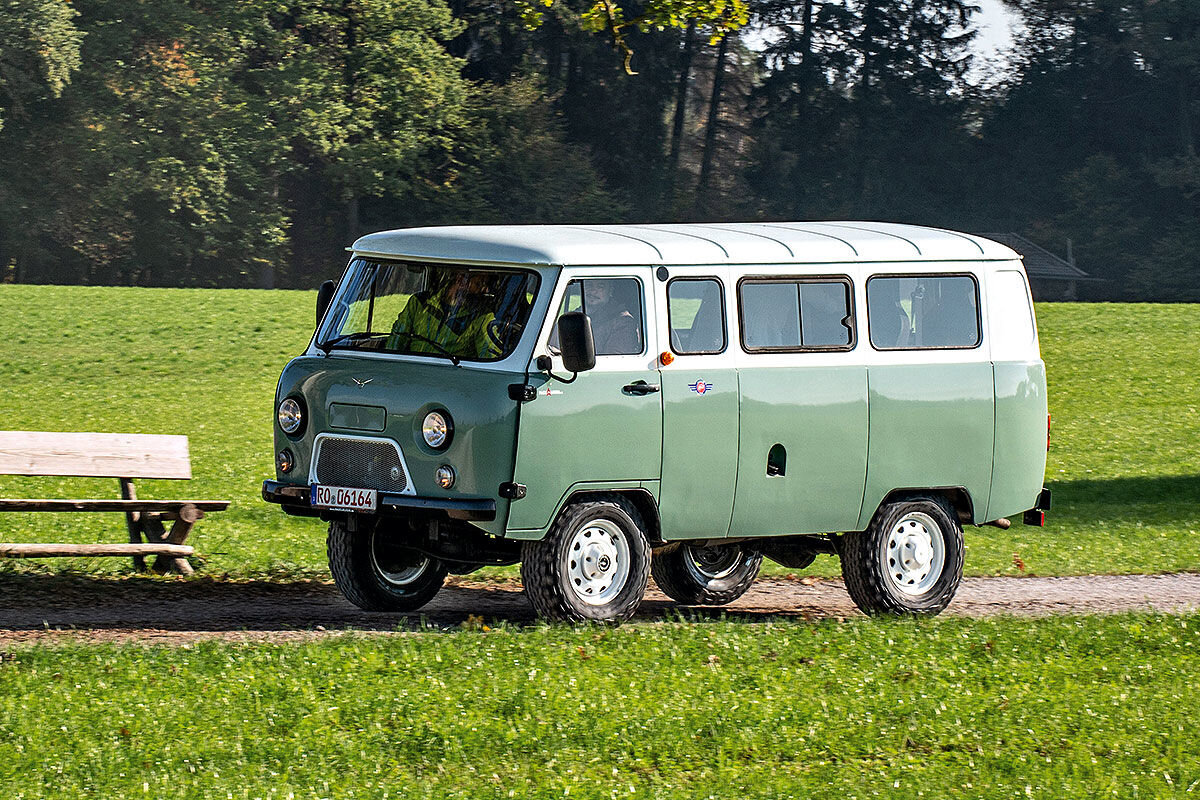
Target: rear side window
x,y
918,312
795,314
696,310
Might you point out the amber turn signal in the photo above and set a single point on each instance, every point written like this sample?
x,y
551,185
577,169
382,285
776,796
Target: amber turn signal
x,y
666,357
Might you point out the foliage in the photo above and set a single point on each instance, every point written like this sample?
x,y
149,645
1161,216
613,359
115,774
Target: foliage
x,y
721,16
1066,707
204,363
39,49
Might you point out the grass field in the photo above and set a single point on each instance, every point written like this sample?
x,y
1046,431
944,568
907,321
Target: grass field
x,y
1124,466
1067,707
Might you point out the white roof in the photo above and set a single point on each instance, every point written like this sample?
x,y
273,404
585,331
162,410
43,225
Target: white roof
x,y
707,243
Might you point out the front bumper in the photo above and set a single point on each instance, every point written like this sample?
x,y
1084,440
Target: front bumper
x,y
295,500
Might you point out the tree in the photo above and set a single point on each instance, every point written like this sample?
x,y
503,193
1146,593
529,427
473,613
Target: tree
x,y
39,49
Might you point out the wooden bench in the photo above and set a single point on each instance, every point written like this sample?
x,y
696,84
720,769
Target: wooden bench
x,y
124,456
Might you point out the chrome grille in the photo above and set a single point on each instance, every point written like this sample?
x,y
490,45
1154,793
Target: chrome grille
x,y
360,463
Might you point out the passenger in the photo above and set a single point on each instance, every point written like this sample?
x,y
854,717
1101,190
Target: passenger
x,y
448,320
615,328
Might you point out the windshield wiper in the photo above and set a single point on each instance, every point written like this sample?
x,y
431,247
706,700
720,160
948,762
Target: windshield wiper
x,y
441,350
325,347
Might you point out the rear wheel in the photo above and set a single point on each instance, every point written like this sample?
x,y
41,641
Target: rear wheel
x,y
908,561
377,573
593,565
709,576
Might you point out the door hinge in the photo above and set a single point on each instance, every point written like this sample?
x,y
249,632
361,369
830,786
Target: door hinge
x,y
512,491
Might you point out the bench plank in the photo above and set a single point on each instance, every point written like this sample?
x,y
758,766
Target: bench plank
x,y
52,550
94,455
161,506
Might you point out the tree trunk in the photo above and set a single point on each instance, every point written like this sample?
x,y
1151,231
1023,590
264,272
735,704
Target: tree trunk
x,y
685,71
805,51
352,221
1186,136
710,128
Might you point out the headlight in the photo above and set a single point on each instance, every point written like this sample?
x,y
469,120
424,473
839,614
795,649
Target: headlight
x,y
284,461
445,476
291,416
436,429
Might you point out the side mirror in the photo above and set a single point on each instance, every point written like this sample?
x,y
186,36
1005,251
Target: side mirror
x,y
324,297
575,341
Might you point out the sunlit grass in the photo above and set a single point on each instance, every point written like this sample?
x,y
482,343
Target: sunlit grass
x,y
1067,707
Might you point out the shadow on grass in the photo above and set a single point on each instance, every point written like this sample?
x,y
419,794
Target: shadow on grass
x,y
33,602
1163,498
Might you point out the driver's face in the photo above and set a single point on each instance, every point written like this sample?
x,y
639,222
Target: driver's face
x,y
463,285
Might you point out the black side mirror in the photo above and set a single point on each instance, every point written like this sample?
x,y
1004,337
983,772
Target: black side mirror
x,y
324,297
575,341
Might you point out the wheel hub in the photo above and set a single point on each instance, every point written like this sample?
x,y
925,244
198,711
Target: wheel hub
x,y
914,553
598,561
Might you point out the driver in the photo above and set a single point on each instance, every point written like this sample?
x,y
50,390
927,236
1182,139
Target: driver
x,y
449,319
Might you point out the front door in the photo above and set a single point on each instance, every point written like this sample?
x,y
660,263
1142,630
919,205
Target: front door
x,y
604,428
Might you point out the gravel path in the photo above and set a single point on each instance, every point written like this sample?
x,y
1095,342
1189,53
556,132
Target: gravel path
x,y
50,608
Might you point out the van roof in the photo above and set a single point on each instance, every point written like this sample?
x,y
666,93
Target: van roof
x,y
706,243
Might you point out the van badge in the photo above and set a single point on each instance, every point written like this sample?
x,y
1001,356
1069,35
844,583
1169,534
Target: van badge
x,y
551,392
362,383
700,387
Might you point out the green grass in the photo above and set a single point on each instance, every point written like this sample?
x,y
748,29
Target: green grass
x,y
1066,707
1124,466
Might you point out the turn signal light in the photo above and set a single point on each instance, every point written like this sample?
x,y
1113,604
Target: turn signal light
x,y
666,357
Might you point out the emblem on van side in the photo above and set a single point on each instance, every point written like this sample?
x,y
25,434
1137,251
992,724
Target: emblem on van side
x,y
362,383
700,387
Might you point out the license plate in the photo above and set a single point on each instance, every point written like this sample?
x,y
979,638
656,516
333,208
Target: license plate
x,y
344,498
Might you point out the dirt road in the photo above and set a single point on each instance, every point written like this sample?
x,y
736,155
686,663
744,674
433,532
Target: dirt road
x,y
48,608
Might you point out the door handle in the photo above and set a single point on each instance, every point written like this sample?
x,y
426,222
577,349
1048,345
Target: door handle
x,y
640,387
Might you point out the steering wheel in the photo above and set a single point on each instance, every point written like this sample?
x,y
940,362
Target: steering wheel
x,y
501,332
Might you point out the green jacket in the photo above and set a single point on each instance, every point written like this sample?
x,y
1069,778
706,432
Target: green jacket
x,y
426,325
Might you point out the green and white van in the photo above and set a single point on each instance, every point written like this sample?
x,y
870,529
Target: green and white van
x,y
606,403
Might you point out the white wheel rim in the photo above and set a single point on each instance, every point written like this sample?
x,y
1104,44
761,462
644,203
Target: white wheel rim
x,y
914,553
402,577
706,564
598,562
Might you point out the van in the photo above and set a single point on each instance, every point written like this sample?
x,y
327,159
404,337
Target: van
x,y
605,403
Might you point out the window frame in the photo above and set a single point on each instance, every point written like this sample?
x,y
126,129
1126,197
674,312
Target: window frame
x,y
724,316
978,310
851,318
643,309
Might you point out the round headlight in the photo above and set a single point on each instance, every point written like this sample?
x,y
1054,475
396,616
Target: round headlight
x,y
291,416
284,461
436,429
445,476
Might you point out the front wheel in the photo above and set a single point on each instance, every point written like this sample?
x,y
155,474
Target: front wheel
x,y
593,565
908,561
708,576
376,573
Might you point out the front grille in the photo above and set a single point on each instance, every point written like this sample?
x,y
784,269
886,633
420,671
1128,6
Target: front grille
x,y
360,463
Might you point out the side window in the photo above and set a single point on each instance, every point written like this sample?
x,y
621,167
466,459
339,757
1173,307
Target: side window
x,y
696,314
923,311
792,314
614,306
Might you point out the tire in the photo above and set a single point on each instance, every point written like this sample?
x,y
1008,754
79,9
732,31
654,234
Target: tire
x,y
908,561
705,576
593,565
375,573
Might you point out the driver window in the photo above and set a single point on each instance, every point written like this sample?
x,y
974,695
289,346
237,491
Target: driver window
x,y
614,306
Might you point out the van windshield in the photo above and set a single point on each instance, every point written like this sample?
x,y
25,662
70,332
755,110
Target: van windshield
x,y
441,310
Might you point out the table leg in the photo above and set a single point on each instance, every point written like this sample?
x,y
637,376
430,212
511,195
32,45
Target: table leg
x,y
133,521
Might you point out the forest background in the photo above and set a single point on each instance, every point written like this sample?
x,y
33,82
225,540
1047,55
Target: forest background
x,y
243,144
